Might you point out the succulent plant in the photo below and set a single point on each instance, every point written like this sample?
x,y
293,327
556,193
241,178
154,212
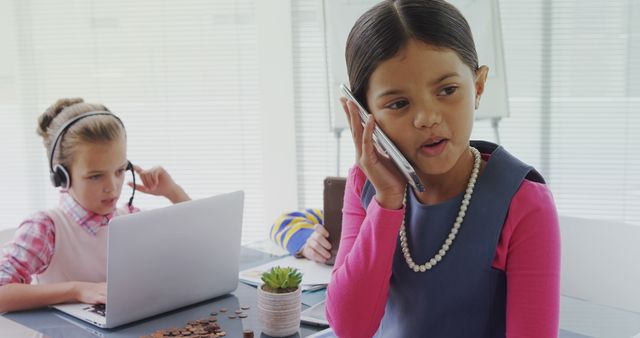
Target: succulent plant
x,y
281,280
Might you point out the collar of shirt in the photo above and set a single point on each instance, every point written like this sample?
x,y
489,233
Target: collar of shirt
x,y
88,220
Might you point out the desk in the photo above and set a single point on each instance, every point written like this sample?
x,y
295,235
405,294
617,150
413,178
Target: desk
x,y
578,319
52,323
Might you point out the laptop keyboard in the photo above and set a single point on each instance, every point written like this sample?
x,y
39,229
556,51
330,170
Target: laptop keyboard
x,y
98,309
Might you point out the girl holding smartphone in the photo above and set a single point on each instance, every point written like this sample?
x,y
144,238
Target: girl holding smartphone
x,y
477,254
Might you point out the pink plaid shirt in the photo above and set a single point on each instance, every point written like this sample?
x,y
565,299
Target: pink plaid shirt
x,y
33,245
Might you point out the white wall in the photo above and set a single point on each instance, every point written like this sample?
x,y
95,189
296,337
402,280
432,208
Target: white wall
x,y
601,262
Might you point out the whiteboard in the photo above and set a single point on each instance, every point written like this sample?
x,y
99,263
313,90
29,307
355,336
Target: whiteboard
x,y
483,17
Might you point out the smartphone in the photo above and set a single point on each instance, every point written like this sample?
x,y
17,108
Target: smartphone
x,y
386,145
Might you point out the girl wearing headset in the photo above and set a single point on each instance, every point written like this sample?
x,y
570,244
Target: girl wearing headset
x,y
59,255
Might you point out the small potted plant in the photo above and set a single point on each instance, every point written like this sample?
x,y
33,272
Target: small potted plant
x,y
279,301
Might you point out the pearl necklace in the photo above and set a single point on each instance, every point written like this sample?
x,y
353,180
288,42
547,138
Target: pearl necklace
x,y
454,230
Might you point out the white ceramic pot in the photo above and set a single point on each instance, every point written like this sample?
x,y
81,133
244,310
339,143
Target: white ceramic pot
x,y
279,313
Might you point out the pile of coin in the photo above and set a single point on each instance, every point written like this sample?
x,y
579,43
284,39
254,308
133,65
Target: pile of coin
x,y
203,328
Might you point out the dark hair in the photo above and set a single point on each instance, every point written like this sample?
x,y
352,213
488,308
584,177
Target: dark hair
x,y
382,31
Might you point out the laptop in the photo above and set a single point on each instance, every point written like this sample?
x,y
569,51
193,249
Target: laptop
x,y
163,259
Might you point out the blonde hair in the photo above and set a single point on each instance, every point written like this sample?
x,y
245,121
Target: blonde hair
x,y
95,129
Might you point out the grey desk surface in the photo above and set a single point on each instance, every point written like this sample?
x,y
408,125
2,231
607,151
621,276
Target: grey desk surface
x,y
578,318
52,323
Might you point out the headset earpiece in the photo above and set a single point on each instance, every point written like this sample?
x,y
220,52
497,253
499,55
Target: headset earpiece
x,y
60,177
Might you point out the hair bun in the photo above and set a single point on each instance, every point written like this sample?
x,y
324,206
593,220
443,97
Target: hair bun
x,y
45,119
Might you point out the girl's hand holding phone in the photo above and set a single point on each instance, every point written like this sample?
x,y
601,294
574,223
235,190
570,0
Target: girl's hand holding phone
x,y
380,170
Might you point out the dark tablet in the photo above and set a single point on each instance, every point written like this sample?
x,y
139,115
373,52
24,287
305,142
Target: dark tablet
x,y
333,199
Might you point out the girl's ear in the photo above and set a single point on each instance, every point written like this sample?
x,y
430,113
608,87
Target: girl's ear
x,y
480,79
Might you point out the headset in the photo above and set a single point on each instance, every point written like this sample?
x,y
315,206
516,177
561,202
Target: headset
x,y
58,174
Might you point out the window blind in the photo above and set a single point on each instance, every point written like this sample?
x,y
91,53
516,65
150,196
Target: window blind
x,y
317,147
183,77
573,84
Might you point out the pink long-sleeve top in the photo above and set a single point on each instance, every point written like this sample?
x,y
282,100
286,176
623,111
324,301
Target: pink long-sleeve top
x,y
528,252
